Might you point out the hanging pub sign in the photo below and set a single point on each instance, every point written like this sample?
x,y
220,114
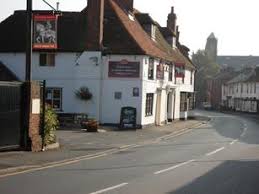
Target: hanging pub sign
x,y
45,31
124,68
179,70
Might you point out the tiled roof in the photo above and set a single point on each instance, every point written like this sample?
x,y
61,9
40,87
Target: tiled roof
x,y
243,76
123,34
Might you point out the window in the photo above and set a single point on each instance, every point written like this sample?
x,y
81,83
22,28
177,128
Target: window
x,y
170,77
160,71
151,69
237,88
153,32
254,87
47,59
183,102
241,87
54,98
251,88
247,88
149,104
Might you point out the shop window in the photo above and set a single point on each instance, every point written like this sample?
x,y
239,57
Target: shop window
x,y
54,98
47,59
149,104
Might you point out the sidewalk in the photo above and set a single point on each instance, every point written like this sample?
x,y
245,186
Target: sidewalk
x,y
77,143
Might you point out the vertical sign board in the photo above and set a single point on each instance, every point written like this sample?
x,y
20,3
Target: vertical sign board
x,y
179,70
124,69
128,118
45,32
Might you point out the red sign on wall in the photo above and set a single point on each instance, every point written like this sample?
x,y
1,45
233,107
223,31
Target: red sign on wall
x,y
124,68
45,32
179,70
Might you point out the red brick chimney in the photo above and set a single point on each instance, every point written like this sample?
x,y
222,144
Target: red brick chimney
x,y
171,20
95,17
127,5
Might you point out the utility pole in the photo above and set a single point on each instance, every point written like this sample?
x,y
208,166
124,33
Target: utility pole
x,y
28,40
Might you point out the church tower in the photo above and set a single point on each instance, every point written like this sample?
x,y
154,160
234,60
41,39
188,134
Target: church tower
x,y
211,48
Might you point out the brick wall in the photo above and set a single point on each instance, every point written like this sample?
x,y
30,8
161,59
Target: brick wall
x,y
34,125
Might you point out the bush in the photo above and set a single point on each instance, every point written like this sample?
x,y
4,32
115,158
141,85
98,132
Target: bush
x,y
51,125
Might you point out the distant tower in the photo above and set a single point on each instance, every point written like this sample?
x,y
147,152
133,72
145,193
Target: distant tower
x,y
211,48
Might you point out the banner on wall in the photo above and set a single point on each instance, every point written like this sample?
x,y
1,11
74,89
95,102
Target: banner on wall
x,y
179,70
45,31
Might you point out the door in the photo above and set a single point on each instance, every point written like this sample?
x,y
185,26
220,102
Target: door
x,y
10,115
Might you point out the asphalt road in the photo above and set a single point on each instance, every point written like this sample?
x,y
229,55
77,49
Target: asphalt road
x,y
220,157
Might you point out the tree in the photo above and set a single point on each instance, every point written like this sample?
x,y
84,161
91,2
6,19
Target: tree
x,y
206,70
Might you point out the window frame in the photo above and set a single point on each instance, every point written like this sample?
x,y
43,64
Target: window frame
x,y
151,69
49,59
52,89
149,104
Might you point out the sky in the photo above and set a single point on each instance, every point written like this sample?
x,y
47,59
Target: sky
x,y
234,22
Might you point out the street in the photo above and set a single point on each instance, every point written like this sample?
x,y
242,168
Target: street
x,y
219,157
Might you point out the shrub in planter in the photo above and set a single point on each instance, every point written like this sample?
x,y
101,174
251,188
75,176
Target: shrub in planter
x,y
51,125
91,125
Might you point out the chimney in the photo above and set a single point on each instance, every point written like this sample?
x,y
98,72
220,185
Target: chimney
x,y
95,17
177,36
171,20
127,5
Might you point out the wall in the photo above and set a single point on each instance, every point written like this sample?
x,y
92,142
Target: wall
x,y
111,107
71,71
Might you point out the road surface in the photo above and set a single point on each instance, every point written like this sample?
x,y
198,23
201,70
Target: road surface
x,y
219,157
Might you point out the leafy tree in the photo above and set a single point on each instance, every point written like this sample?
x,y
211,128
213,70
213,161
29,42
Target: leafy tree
x,y
206,69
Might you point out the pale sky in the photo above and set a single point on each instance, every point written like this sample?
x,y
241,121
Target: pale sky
x,y
234,22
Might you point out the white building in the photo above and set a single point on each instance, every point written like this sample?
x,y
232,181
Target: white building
x,y
123,57
242,92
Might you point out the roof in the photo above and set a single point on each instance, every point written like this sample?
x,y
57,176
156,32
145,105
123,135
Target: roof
x,y
126,36
6,74
243,76
212,36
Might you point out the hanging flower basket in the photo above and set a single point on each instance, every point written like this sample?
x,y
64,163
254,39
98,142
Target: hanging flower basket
x,y
83,93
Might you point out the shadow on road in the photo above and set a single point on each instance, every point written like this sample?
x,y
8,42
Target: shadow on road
x,y
231,177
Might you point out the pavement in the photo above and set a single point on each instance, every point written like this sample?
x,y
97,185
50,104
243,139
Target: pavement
x,y
76,144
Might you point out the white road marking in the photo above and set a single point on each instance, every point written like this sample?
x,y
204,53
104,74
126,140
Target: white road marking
x,y
215,151
110,188
174,167
234,141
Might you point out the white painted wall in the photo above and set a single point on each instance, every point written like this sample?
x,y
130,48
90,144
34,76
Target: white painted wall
x,y
71,71
111,107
